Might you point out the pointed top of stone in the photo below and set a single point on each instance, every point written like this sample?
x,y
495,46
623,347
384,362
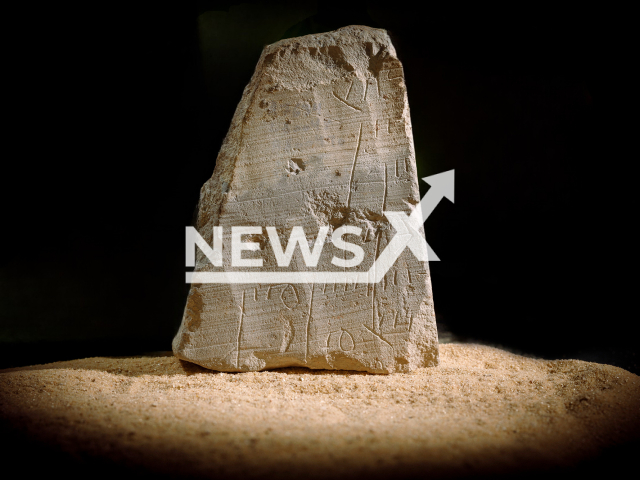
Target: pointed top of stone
x,y
303,62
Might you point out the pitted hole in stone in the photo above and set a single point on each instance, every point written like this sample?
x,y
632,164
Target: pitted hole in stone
x,y
296,166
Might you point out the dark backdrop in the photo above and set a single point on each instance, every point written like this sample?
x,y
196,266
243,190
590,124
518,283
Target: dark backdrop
x,y
118,114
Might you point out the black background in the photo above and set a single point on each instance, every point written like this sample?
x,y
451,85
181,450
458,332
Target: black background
x,y
117,115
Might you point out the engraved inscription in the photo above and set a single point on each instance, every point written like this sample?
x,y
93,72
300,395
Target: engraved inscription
x,y
346,341
326,149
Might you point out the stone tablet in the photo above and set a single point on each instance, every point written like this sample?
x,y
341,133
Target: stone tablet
x,y
321,140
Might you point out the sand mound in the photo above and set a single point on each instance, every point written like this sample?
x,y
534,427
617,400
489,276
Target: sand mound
x,y
482,410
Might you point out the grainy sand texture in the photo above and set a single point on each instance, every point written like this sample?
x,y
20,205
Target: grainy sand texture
x,y
481,411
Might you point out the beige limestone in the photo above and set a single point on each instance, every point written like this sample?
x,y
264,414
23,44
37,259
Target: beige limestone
x,y
321,138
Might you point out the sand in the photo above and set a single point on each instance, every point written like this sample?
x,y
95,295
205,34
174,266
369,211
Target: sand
x,y
482,411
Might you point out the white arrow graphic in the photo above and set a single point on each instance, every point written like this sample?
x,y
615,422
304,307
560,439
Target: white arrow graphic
x,y
442,185
408,234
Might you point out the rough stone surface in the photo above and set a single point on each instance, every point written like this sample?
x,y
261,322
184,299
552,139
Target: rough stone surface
x,y
321,138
